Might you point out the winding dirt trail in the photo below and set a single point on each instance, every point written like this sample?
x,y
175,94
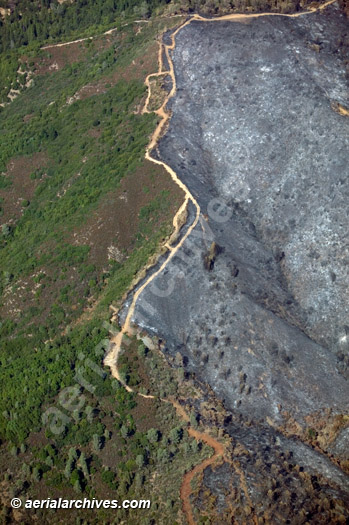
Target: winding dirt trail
x,y
218,454
112,358
186,489
109,32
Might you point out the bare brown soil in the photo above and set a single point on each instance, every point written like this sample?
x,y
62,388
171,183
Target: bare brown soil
x,y
145,414
116,220
22,188
339,108
139,67
56,56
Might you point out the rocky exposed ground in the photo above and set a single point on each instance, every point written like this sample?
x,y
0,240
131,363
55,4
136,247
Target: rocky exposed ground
x,y
256,300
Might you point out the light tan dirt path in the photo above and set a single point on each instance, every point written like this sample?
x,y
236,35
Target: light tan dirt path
x,y
112,357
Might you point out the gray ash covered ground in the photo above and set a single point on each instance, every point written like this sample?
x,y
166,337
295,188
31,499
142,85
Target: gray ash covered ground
x,y
267,327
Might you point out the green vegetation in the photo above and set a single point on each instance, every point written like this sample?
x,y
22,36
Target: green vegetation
x,y
65,424
40,248
82,168
111,442
62,133
5,182
33,21
41,373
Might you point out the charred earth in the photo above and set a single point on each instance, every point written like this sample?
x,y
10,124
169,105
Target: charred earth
x,y
256,299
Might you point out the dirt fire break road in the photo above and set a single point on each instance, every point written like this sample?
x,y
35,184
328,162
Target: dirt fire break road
x,y
112,358
217,456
